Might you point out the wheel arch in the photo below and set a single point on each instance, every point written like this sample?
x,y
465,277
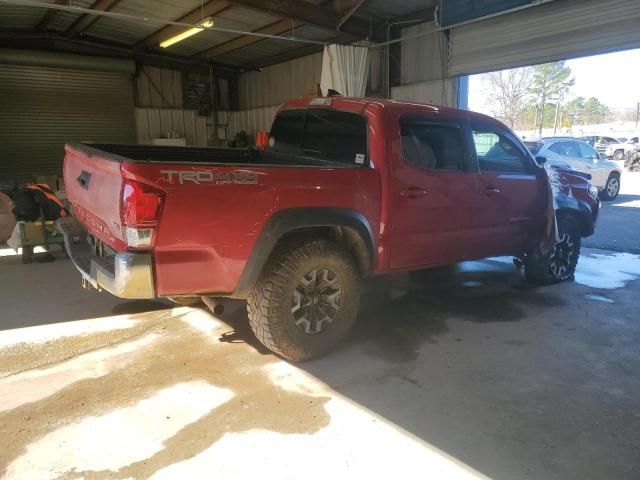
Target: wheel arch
x,y
346,226
580,210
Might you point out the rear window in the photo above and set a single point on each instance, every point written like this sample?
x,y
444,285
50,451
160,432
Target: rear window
x,y
287,131
534,147
322,134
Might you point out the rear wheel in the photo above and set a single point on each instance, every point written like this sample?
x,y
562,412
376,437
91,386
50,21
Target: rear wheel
x,y
612,187
560,264
306,300
619,155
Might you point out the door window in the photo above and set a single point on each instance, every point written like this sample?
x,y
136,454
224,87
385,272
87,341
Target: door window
x,y
496,152
567,149
432,147
587,151
336,136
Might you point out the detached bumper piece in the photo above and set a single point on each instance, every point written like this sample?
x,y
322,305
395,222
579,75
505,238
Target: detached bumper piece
x,y
125,275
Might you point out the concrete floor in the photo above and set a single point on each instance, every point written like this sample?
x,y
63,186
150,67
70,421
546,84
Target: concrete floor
x,y
462,373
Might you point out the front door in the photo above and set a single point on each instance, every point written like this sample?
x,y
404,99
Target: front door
x,y
512,198
434,194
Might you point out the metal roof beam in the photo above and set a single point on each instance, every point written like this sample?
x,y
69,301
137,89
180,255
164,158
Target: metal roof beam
x,y
210,9
277,28
48,16
83,22
309,13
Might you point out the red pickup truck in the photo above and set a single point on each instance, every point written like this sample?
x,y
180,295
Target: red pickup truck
x,y
346,188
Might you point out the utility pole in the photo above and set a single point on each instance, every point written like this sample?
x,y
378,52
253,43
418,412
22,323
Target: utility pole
x,y
555,120
544,100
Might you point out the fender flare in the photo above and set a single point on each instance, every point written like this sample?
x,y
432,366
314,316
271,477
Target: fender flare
x,y
291,219
578,208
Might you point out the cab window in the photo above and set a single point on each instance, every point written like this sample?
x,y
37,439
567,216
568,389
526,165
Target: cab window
x,y
496,152
286,132
336,136
432,146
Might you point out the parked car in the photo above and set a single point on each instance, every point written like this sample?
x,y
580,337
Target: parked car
x,y
578,155
346,189
609,146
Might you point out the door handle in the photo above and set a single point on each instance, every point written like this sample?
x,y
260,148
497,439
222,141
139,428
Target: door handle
x,y
413,192
491,190
83,179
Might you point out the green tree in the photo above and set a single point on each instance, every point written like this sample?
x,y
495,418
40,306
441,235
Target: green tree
x,y
550,80
509,93
594,111
574,111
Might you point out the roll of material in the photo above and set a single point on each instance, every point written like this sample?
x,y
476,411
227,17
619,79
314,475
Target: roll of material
x,y
7,220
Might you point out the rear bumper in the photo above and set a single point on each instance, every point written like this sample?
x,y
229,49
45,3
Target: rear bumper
x,y
125,275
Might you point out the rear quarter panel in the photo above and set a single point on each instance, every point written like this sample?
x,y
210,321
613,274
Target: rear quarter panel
x,y
208,228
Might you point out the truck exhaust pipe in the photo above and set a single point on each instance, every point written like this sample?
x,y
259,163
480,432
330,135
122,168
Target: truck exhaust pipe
x,y
214,304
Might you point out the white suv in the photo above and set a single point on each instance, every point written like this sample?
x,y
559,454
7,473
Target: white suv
x,y
578,155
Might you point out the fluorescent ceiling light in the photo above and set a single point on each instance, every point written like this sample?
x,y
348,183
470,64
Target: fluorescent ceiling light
x,y
207,22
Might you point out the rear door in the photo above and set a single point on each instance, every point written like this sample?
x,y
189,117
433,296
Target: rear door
x,y
433,194
509,190
593,165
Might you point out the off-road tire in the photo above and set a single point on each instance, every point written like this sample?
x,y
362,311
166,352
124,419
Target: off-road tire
x,y
270,303
538,268
605,195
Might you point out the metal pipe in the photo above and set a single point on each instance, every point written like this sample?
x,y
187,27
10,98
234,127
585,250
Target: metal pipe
x,y
161,21
388,55
215,305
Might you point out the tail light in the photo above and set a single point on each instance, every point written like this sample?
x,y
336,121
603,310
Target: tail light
x,y
140,210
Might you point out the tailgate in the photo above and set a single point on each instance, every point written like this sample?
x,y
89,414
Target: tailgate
x,y
93,183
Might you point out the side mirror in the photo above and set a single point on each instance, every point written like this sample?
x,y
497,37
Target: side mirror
x,y
541,160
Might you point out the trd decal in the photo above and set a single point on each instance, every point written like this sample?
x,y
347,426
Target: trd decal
x,y
236,177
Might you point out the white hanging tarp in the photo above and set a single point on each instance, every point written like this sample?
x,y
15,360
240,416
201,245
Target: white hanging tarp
x,y
345,69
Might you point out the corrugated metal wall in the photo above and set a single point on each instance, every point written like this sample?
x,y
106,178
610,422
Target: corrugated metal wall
x,y
438,92
158,87
275,84
160,122
43,108
423,58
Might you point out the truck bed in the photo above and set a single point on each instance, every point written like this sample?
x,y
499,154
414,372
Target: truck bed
x,y
197,155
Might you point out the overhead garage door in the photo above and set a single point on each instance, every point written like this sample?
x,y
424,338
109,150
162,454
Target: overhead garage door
x,y
557,30
47,103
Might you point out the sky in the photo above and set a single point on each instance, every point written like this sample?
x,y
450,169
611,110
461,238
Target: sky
x,y
613,78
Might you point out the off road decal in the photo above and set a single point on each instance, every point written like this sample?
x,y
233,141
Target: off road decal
x,y
236,177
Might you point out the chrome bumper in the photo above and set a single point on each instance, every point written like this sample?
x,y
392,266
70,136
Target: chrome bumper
x,y
125,275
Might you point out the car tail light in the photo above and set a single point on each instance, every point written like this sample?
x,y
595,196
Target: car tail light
x,y
140,210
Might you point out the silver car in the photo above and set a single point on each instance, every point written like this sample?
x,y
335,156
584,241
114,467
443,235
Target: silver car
x,y
580,156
